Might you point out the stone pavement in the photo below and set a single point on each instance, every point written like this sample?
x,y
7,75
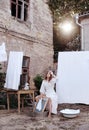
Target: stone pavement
x,y
13,121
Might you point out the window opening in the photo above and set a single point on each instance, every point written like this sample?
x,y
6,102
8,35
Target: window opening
x,y
19,9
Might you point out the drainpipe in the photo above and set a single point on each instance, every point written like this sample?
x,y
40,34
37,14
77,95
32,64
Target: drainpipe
x,y
77,22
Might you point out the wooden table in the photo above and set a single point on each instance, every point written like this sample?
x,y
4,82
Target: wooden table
x,y
18,93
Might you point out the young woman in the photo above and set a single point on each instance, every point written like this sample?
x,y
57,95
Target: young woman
x,y
47,91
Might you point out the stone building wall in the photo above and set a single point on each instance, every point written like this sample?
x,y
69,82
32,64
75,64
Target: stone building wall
x,y
85,35
34,37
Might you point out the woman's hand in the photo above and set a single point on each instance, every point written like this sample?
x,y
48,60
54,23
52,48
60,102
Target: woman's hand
x,y
43,95
51,72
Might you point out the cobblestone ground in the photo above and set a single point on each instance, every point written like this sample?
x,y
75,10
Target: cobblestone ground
x,y
23,121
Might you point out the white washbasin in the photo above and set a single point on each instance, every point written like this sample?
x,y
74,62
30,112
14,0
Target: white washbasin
x,y
70,113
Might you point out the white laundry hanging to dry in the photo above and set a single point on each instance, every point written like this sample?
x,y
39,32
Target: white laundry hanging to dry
x,y
3,54
73,77
14,70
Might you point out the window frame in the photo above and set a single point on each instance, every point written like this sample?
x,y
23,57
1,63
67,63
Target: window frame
x,y
22,14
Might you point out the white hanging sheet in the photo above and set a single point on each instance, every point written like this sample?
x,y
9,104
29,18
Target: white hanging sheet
x,y
14,70
3,54
73,77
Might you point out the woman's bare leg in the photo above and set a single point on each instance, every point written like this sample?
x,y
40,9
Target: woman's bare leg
x,y
49,107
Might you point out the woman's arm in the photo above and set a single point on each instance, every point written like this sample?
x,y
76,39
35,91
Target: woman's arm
x,y
42,95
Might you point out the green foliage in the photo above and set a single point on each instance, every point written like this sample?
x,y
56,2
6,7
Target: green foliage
x,y
3,99
65,8
74,45
38,81
2,78
13,101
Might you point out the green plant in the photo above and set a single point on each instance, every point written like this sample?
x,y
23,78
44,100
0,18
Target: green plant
x,y
38,81
2,78
3,100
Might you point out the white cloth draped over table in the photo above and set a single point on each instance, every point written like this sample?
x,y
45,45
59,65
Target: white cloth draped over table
x,y
3,54
14,70
47,88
